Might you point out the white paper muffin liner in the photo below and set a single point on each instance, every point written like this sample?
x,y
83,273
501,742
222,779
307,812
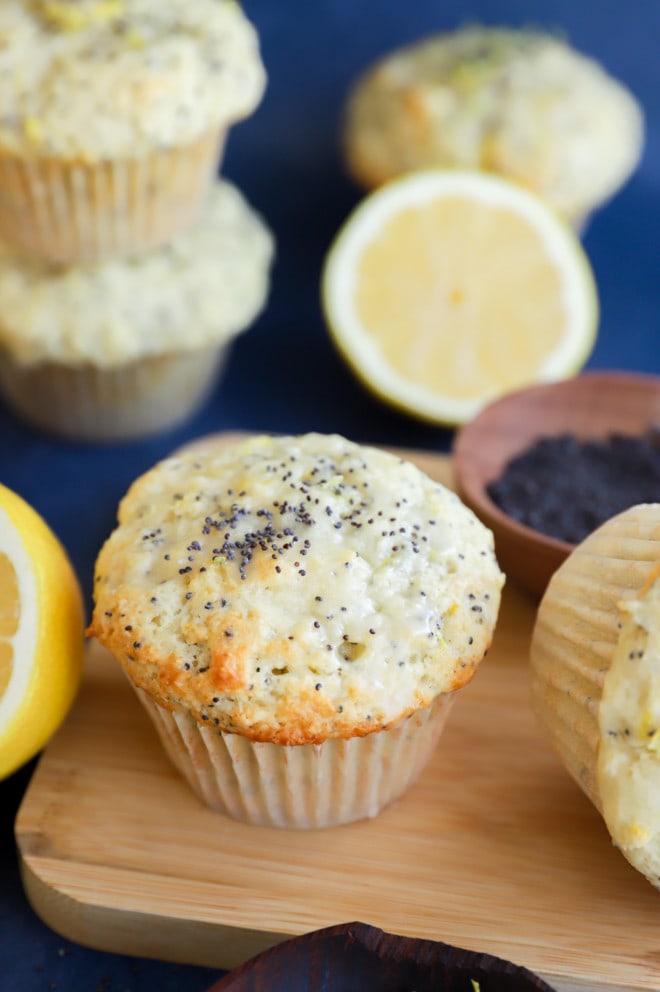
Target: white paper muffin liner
x,y
89,403
302,786
67,213
576,634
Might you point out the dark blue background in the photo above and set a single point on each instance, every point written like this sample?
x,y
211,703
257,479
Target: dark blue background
x,y
284,374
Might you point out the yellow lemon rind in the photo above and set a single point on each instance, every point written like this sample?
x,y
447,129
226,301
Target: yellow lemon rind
x,y
57,610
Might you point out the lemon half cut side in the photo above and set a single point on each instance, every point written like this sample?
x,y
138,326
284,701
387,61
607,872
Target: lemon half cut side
x,y
445,289
41,632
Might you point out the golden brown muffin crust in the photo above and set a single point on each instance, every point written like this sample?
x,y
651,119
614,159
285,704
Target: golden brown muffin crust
x,y
295,589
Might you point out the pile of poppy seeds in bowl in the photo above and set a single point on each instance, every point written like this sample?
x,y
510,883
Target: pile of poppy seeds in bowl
x,y
566,488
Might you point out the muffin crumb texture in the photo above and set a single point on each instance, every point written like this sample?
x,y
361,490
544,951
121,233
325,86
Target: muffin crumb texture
x,y
175,70
110,313
521,103
295,589
595,677
629,719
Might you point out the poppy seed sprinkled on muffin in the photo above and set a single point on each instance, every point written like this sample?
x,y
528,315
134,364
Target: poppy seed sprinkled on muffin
x,y
258,572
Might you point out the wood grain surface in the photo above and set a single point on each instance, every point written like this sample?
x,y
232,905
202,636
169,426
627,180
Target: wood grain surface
x,y
495,849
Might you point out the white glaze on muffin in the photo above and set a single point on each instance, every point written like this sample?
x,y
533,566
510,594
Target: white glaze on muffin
x,y
296,589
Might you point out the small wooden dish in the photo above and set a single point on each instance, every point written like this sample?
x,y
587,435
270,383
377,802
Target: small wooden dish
x,y
353,957
592,405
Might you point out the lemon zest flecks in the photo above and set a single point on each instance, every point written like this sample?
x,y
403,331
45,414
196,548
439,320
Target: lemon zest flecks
x,y
33,130
67,16
134,39
647,731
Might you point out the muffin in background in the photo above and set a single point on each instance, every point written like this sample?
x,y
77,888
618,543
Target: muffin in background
x,y
296,615
128,347
595,662
520,103
109,141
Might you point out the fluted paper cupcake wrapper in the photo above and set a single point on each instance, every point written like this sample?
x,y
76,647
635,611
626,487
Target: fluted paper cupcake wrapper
x,y
89,403
577,631
303,786
67,212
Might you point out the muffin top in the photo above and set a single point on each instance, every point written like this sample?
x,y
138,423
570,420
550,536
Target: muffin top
x,y
96,79
293,589
200,289
520,103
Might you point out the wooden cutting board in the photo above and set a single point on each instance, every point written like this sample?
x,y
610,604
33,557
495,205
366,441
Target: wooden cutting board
x,y
494,849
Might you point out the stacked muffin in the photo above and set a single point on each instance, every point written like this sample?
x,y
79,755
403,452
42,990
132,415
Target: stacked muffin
x,y
125,266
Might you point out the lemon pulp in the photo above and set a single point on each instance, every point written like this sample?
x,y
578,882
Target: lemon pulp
x,y
9,608
444,290
41,632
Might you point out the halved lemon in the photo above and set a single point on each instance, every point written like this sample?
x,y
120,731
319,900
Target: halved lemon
x,y
41,632
446,289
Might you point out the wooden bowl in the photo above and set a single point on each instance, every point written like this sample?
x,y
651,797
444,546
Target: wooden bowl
x,y
354,957
592,405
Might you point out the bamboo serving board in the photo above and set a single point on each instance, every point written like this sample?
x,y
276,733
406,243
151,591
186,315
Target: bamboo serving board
x,y
494,849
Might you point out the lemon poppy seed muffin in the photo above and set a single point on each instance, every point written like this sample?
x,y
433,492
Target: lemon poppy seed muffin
x,y
296,613
113,116
520,103
595,663
130,346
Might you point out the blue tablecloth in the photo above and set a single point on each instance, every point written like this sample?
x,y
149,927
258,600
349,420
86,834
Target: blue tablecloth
x,y
284,374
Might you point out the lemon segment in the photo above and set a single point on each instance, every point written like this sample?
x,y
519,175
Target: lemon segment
x,y
41,632
446,289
